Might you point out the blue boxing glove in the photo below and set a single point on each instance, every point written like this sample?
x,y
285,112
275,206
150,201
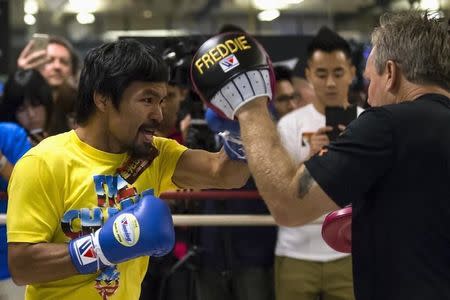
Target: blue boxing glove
x,y
145,228
229,134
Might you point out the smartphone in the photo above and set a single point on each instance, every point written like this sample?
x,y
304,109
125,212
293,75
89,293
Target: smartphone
x,y
40,41
338,115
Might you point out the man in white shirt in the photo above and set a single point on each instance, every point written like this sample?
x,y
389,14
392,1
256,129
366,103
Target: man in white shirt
x,y
305,267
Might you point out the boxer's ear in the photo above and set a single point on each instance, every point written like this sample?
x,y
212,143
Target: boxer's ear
x,y
100,101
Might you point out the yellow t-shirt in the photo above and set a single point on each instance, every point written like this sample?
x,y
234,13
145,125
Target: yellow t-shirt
x,y
63,189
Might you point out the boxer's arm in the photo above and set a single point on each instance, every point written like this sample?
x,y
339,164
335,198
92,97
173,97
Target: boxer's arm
x,y
37,263
291,194
199,169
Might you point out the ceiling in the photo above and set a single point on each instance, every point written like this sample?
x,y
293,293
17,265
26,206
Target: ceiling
x,y
204,16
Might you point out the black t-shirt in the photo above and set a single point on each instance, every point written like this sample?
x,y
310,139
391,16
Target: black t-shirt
x,y
393,165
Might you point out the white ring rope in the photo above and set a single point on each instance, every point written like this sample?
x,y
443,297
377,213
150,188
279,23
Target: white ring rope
x,y
216,220
212,220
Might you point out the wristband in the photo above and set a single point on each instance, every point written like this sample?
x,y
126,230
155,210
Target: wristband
x,y
233,146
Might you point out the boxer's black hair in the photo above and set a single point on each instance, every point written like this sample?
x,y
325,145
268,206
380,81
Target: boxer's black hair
x,y
110,68
328,41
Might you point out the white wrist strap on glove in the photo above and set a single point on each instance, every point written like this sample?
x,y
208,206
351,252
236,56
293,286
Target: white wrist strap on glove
x,y
242,89
101,259
233,145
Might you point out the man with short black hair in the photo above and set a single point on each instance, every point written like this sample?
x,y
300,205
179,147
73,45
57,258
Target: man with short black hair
x,y
301,253
95,215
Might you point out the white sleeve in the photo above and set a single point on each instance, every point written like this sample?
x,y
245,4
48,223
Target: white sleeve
x,y
291,136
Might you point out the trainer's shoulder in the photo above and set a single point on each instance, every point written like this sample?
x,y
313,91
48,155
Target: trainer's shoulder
x,y
424,103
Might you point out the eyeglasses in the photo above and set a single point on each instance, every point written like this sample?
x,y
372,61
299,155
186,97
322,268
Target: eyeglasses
x,y
287,98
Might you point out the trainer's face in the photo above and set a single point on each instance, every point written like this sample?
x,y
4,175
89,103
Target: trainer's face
x,y
377,94
330,74
133,125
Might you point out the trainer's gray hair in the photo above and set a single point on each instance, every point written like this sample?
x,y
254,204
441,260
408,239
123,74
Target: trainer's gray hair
x,y
419,44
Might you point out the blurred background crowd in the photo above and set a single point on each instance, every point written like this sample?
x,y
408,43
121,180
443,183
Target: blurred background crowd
x,y
318,48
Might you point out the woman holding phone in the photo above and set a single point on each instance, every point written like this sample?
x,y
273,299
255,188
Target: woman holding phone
x,y
27,101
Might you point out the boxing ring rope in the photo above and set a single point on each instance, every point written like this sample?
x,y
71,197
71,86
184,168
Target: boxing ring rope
x,y
211,220
210,195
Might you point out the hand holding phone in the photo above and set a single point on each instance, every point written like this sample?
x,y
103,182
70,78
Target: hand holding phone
x,y
35,52
319,139
40,41
338,115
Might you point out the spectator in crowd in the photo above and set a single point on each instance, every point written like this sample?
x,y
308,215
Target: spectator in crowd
x,y
13,144
59,65
234,262
286,98
306,267
27,101
304,89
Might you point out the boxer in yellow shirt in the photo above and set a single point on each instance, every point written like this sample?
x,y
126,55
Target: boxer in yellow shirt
x,y
83,213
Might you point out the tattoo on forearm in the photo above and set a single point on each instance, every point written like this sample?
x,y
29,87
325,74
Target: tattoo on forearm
x,y
305,183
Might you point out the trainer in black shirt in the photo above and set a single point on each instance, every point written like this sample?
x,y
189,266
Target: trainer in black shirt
x,y
392,164
395,165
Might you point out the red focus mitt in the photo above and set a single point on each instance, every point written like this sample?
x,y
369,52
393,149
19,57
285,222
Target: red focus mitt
x,y
337,229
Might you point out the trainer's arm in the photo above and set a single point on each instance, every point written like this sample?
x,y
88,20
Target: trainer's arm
x,y
291,194
199,169
37,263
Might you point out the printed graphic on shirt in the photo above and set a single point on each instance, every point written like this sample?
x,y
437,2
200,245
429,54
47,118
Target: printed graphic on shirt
x,y
113,194
107,282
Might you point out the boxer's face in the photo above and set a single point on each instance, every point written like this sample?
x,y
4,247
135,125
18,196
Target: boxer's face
x,y
133,125
330,74
377,94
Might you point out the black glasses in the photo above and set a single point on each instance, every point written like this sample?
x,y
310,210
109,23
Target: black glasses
x,y
287,98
